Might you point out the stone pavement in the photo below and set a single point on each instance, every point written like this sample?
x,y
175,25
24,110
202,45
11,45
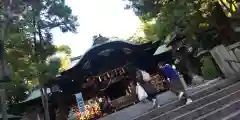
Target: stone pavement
x,y
163,98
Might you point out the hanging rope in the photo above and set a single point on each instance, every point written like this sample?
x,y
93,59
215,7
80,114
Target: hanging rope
x,y
107,85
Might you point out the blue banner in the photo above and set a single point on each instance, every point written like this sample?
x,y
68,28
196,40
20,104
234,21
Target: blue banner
x,y
80,102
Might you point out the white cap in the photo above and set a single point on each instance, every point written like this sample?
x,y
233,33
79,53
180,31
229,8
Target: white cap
x,y
174,67
167,65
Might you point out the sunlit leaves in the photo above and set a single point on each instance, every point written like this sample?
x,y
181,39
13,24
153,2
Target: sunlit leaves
x,y
64,48
228,6
188,15
149,30
65,62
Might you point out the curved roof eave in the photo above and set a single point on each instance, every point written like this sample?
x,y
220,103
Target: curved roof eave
x,y
34,95
147,45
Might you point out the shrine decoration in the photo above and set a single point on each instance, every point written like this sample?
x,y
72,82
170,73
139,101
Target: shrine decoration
x,y
108,75
99,78
107,79
80,102
92,111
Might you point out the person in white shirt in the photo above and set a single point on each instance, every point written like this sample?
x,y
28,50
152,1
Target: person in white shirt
x,y
143,78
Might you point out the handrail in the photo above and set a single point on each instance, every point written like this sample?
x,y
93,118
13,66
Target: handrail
x,y
234,61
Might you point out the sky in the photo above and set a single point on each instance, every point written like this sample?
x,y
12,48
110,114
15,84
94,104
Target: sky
x,y
105,17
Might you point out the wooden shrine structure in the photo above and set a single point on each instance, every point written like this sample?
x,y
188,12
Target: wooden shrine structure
x,y
104,71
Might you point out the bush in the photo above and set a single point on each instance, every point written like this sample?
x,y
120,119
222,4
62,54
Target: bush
x,y
208,68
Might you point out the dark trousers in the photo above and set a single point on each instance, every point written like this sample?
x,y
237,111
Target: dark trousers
x,y
187,78
150,90
151,97
177,87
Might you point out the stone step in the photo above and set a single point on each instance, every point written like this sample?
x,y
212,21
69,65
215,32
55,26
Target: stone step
x,y
222,112
201,92
198,103
233,116
210,107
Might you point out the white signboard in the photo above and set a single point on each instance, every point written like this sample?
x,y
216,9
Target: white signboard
x,y
80,102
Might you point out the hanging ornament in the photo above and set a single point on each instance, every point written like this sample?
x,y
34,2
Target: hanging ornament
x,y
99,78
123,70
108,75
112,74
120,71
87,79
115,72
104,77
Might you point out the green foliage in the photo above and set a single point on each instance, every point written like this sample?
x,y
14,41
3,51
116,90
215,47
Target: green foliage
x,y
25,34
207,40
146,33
209,70
18,53
137,39
149,30
64,48
72,114
28,42
52,14
49,70
171,14
16,91
187,16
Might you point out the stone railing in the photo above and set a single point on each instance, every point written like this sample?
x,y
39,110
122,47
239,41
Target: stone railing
x,y
227,58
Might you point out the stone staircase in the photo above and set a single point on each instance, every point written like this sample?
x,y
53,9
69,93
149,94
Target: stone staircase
x,y
220,101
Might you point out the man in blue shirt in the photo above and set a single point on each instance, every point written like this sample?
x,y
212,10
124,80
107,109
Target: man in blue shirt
x,y
176,85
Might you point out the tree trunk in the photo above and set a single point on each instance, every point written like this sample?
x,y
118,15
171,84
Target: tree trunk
x,y
222,23
35,38
45,103
40,35
4,25
44,95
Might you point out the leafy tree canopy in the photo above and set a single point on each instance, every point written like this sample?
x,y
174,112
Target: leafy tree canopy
x,y
188,16
28,42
